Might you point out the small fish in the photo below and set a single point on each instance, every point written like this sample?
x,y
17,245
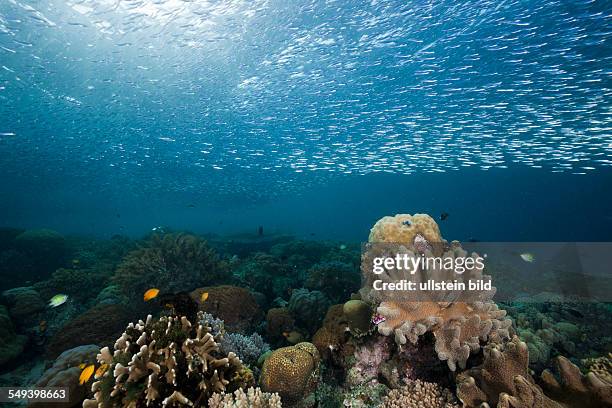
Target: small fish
x,y
101,370
82,365
378,319
203,296
342,247
58,300
407,223
443,216
151,294
527,257
86,374
190,205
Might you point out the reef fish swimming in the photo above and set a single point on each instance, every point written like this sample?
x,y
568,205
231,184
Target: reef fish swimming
x,y
151,294
58,300
86,374
527,257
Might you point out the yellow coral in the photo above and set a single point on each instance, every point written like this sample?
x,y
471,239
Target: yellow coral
x,y
403,228
292,372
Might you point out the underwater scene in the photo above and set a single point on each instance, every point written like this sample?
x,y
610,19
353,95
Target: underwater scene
x,y
306,203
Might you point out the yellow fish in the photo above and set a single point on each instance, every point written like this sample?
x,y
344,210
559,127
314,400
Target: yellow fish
x,y
151,294
203,296
82,365
101,370
86,374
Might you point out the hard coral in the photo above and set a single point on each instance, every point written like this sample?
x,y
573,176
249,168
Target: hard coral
x,y
459,320
308,308
65,373
11,344
171,262
252,398
404,228
166,362
23,302
99,325
292,372
417,394
236,306
336,279
278,321
247,348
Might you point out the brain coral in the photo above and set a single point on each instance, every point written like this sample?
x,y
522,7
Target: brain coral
x,y
236,306
252,398
166,362
417,394
292,372
458,319
65,372
171,262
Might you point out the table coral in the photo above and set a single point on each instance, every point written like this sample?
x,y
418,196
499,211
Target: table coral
x,y
65,372
459,320
417,394
171,262
167,361
252,398
292,372
236,306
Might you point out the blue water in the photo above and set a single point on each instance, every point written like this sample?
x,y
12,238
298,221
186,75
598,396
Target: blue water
x,y
313,118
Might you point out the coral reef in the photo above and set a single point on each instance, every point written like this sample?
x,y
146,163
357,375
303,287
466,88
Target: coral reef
x,y
337,280
358,316
417,393
11,344
167,361
236,306
308,308
458,320
171,262
23,302
504,381
364,396
601,367
247,348
252,398
65,372
99,325
256,270
293,373
46,249
404,228
278,321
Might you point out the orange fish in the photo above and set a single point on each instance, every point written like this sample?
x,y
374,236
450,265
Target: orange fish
x,y
151,294
86,374
101,370
203,296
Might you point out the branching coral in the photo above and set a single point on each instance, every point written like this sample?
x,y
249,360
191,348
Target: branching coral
x,y
292,372
417,393
247,348
252,398
174,262
459,319
167,361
